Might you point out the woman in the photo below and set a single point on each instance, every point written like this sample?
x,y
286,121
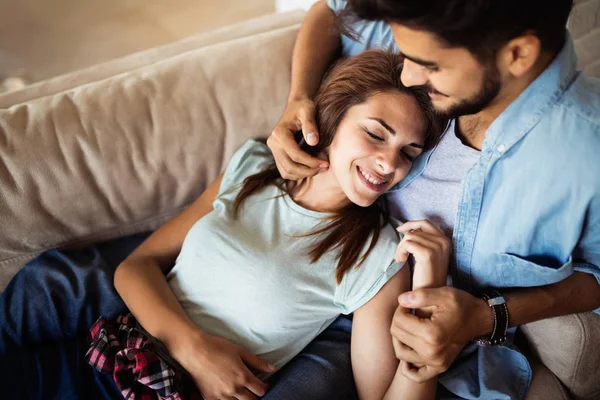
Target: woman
x,y
263,265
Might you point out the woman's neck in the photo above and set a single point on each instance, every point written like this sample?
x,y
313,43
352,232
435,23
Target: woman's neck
x,y
320,193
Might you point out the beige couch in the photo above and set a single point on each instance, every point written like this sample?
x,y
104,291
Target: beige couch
x,y
121,147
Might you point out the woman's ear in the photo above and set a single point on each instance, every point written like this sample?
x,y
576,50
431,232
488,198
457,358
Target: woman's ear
x,y
520,54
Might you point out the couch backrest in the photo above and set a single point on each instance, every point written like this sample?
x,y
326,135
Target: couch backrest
x,y
584,25
122,155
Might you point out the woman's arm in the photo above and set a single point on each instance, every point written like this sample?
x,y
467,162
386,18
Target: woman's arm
x,y
374,363
378,374
219,368
140,278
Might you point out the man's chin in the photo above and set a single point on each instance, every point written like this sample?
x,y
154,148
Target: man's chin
x,y
452,111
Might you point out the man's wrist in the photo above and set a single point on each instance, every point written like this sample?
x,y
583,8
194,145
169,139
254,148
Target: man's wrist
x,y
484,318
298,96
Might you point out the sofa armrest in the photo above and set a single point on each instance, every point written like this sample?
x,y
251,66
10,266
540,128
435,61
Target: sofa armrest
x,y
568,346
121,155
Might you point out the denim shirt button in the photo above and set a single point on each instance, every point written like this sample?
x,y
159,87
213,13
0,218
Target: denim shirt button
x,y
501,148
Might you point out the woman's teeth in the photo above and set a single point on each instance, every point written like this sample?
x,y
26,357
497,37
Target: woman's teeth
x,y
370,178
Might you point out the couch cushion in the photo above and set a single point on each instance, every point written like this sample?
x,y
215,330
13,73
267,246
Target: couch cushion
x,y
544,385
584,25
568,346
147,57
121,155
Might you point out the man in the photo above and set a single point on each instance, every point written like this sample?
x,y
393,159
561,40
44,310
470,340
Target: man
x,y
515,179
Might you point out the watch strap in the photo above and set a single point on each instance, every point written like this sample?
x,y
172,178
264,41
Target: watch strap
x,y
497,303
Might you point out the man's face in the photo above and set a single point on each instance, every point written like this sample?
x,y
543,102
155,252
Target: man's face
x,y
458,83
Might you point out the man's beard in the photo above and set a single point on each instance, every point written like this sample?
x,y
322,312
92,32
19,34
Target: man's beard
x,y
489,91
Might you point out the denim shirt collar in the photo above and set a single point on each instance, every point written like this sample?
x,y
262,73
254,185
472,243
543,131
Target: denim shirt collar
x,y
523,113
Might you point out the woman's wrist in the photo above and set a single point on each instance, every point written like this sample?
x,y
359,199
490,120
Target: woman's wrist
x,y
180,341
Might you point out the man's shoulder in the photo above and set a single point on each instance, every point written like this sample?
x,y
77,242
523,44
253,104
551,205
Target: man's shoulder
x,y
582,101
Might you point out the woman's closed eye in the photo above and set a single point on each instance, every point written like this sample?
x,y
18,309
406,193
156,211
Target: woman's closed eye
x,y
374,136
409,157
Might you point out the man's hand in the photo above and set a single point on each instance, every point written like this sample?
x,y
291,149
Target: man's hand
x,y
455,318
292,162
220,368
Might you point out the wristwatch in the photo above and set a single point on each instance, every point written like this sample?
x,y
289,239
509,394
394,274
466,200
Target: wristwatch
x,y
498,305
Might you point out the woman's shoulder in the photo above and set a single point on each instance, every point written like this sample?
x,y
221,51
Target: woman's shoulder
x,y
252,157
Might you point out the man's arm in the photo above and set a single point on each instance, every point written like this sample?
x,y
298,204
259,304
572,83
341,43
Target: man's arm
x,y
458,317
578,293
316,46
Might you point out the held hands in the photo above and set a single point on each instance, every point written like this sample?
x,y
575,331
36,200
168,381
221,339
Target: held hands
x,y
220,369
292,162
445,318
433,342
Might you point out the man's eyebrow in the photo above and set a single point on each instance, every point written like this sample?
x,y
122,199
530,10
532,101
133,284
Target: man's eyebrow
x,y
420,61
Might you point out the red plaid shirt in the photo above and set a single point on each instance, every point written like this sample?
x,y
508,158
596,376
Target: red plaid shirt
x,y
139,363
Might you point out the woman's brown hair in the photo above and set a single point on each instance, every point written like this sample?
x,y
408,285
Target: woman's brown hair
x,y
350,82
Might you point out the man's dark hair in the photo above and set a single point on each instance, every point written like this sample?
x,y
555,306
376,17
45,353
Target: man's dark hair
x,y
481,26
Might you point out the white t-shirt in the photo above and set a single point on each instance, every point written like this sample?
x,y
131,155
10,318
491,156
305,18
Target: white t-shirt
x,y
249,280
435,194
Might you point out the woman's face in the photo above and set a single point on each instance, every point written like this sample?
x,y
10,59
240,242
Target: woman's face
x,y
375,144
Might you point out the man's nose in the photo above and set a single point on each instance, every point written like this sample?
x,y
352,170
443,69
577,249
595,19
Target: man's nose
x,y
413,74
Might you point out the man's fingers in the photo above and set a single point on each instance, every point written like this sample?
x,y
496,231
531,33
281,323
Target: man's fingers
x,y
292,162
421,298
405,353
292,171
310,132
301,157
412,342
408,322
296,170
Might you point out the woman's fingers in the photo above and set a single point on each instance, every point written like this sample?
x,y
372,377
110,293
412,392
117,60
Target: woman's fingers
x,y
424,225
411,246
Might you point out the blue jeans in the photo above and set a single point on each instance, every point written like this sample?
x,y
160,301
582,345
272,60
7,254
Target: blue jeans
x,y
47,308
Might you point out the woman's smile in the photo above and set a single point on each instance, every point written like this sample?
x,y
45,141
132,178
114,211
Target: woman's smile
x,y
372,180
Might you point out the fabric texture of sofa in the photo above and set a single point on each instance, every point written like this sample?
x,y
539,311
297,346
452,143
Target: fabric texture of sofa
x,y
121,147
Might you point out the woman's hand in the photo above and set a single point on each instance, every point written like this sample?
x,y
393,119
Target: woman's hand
x,y
292,162
220,369
430,249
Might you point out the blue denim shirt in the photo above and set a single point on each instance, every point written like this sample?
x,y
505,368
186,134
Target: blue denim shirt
x,y
529,213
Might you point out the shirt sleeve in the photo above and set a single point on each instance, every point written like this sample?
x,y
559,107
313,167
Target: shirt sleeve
x,y
361,284
250,159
